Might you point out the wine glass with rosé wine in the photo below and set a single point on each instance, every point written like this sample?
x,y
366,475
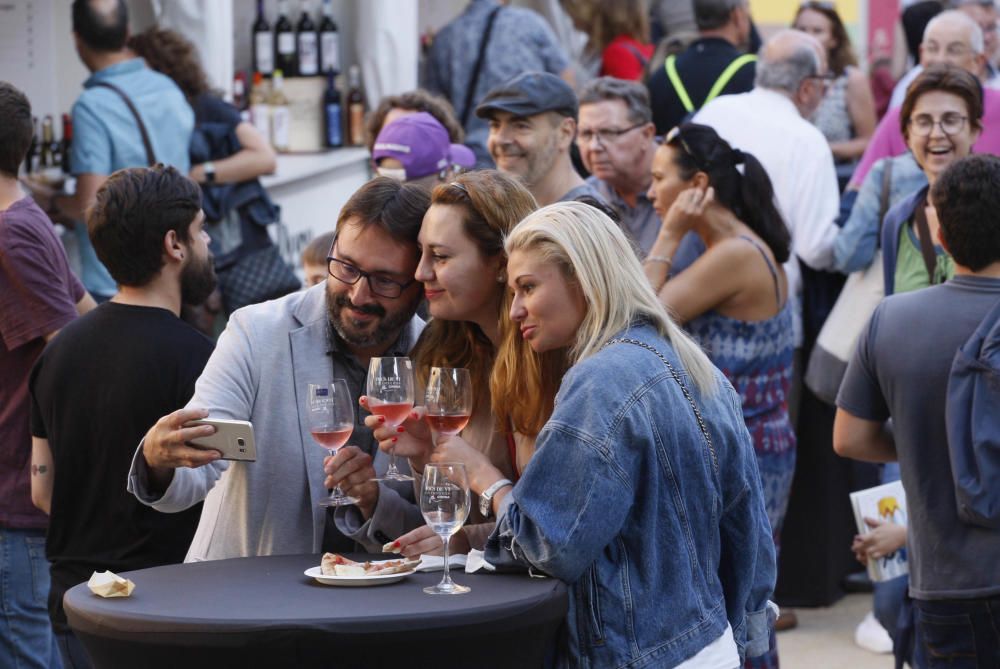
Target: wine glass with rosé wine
x,y
448,399
331,422
390,395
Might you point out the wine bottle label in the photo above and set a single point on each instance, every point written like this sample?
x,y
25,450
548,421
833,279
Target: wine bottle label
x,y
357,124
334,132
308,58
263,53
286,44
260,116
330,48
280,120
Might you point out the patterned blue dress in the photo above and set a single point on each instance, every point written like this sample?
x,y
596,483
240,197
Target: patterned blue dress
x,y
756,357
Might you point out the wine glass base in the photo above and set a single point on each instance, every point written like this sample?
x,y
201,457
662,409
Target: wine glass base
x,y
447,589
339,501
393,477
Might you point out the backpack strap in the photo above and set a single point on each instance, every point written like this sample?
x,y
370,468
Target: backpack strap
x,y
926,244
727,75
638,54
470,92
670,65
150,155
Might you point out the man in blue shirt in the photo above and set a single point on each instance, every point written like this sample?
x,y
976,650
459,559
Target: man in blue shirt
x,y
106,135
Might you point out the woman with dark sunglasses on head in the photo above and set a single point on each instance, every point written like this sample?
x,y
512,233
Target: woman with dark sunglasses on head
x,y
846,116
734,298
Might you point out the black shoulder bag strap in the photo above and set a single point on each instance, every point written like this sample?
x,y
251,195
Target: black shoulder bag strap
x,y
150,156
470,92
926,243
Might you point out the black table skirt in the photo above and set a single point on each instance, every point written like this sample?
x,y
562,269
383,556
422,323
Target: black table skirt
x,y
256,612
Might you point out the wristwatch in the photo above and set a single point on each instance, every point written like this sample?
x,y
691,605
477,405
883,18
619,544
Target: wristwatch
x,y
209,169
486,499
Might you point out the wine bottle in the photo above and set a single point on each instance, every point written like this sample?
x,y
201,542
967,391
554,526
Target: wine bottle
x,y
329,40
30,160
307,47
263,43
240,97
280,114
284,42
260,110
67,142
46,159
332,112
355,108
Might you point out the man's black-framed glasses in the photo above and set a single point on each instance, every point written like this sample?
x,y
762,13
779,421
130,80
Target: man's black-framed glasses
x,y
606,136
922,125
379,285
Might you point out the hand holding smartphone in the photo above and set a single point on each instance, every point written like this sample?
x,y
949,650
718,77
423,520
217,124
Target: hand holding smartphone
x,y
232,438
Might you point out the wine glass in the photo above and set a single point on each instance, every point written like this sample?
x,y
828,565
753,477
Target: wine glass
x,y
331,422
390,394
448,399
444,501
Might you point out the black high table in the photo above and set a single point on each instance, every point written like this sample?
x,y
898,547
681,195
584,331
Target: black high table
x,y
263,612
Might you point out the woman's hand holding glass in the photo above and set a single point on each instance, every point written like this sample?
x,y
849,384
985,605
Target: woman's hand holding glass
x,y
424,541
411,440
452,448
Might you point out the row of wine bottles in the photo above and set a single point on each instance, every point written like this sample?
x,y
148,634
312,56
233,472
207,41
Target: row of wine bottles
x,y
46,154
266,107
305,50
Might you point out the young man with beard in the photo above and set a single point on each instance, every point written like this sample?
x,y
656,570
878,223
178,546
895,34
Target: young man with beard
x,y
104,378
259,372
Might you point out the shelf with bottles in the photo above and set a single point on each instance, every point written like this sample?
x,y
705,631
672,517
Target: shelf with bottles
x,y
48,159
296,92
304,114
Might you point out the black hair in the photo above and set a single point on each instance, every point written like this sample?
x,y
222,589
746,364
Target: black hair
x,y
135,209
101,30
602,206
966,197
749,195
15,130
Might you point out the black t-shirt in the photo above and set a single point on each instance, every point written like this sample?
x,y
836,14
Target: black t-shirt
x,y
97,388
698,67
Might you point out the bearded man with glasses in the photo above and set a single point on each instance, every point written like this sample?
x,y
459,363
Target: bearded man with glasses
x,y
268,353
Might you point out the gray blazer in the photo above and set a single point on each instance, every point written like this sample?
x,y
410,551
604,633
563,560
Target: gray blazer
x,y
260,366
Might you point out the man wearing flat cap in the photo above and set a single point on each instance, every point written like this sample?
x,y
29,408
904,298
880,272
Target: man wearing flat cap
x,y
532,121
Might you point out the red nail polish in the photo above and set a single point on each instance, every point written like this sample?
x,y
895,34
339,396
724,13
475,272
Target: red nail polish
x,y
394,440
381,419
401,429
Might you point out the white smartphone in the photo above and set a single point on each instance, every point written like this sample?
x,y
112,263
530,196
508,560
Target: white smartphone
x,y
232,438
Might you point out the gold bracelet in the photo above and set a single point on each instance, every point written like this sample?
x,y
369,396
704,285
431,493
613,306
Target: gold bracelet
x,y
661,259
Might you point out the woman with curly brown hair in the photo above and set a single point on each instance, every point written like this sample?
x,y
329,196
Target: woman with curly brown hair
x,y
171,54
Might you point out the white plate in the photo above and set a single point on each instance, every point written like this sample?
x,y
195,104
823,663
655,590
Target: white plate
x,y
349,581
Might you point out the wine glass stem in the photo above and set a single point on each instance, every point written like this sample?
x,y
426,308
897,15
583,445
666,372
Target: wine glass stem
x,y
446,579
392,459
336,492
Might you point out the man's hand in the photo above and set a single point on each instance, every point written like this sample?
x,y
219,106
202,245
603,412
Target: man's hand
x,y
884,539
352,469
165,447
423,541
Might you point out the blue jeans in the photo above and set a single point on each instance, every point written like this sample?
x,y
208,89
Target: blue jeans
x,y
958,633
26,638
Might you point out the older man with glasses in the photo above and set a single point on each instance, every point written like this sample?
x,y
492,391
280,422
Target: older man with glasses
x,y
261,366
615,138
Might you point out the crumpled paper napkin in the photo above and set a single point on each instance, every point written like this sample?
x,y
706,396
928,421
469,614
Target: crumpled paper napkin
x,y
108,584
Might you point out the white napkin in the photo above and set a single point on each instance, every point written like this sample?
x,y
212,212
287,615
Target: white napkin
x,y
436,562
108,584
477,561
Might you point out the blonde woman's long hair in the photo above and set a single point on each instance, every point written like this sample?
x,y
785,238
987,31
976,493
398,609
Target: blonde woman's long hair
x,y
594,253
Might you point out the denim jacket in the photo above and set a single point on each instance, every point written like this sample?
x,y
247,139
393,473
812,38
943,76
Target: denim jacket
x,y
662,540
855,245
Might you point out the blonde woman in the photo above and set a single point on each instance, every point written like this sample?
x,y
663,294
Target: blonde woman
x,y
643,493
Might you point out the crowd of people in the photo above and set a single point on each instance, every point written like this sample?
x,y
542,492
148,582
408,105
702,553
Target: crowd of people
x,y
623,244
